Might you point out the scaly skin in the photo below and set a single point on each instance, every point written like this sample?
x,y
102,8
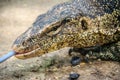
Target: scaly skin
x,y
78,24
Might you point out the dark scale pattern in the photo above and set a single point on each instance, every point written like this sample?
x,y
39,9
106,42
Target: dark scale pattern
x,y
107,52
69,9
78,23
109,5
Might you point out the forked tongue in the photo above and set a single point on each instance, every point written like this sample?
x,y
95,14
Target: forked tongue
x,y
7,56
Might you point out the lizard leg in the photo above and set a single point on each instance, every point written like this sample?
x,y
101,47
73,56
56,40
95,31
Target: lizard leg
x,y
78,52
83,52
105,52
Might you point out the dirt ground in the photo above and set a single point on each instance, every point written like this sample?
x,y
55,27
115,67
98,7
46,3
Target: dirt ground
x,y
15,17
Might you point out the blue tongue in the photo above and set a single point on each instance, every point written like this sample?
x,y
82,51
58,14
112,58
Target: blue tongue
x,y
6,56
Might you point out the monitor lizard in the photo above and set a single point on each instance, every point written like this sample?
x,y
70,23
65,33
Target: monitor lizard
x,y
79,24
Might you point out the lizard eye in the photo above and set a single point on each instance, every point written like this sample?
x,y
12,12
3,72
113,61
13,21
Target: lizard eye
x,y
54,30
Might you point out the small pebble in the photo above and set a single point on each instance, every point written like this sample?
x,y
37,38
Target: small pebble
x,y
75,60
74,76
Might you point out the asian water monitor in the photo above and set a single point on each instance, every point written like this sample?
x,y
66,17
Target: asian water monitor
x,y
78,24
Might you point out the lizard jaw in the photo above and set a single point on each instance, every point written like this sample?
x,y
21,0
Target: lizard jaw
x,y
30,54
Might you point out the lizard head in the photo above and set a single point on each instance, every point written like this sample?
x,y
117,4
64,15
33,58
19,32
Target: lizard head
x,y
50,33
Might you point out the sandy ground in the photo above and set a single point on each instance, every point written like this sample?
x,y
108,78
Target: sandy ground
x,y
15,17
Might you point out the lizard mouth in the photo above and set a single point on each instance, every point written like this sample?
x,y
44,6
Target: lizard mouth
x,y
27,54
22,55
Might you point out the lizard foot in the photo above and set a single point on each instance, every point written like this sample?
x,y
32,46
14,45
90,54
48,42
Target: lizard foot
x,y
78,53
83,52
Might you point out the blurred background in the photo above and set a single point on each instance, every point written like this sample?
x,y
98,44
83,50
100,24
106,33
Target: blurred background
x,y
17,15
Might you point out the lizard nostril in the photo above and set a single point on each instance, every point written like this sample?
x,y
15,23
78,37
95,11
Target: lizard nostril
x,y
84,24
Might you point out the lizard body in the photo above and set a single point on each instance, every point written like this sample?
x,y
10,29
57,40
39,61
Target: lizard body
x,y
78,24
